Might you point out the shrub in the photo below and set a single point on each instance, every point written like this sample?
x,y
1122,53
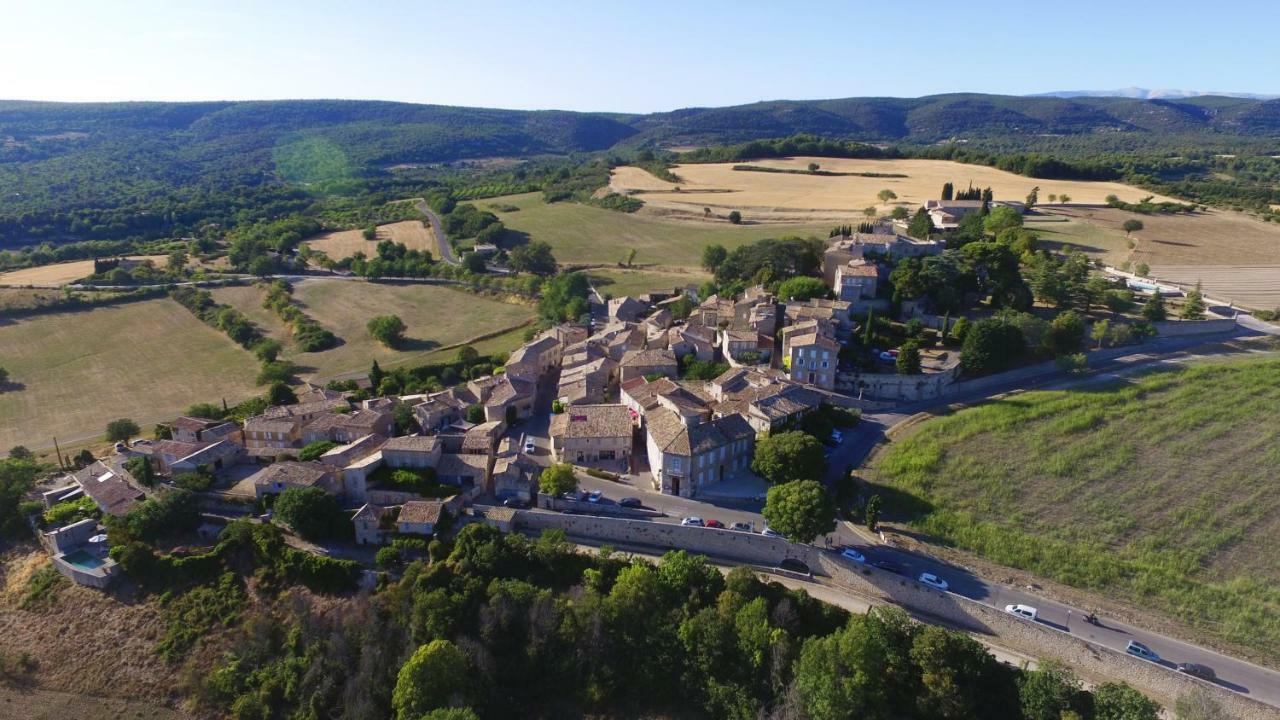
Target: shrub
x,y
313,513
314,450
387,557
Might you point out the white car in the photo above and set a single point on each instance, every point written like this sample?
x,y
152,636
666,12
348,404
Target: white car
x,y
933,581
1023,611
1137,649
837,437
530,448
851,554
770,532
595,496
692,522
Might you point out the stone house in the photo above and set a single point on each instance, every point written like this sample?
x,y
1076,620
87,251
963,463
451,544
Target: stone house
x,y
646,363
414,451
593,434
812,359
278,477
686,455
345,427
374,524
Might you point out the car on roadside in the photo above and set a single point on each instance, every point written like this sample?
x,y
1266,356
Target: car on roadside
x,y
888,566
712,523
629,502
1026,612
740,526
770,532
851,554
1204,672
933,581
595,496
836,438
692,521
1139,650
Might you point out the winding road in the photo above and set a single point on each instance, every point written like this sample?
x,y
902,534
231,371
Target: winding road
x,y
437,229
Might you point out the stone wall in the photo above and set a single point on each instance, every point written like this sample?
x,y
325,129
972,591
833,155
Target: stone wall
x,y
900,388
1185,328
741,546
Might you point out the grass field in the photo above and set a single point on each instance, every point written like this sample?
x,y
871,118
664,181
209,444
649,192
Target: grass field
x,y
1159,491
785,197
344,243
144,360
61,273
591,235
435,316
617,282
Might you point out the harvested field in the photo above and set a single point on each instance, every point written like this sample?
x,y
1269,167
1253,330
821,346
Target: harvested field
x,y
75,371
1213,237
1158,491
1256,286
802,198
618,281
248,300
591,235
436,317
61,273
345,243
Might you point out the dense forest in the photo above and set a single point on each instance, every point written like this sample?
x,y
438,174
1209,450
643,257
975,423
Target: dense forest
x,y
499,626
111,171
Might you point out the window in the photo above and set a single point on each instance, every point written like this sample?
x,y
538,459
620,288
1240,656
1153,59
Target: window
x,y
675,463
824,362
800,361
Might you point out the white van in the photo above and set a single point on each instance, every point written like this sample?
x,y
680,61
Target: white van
x,y
1023,611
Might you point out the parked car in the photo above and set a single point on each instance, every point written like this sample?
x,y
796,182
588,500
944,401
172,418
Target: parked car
x,y
888,566
740,527
515,502
530,448
770,532
595,496
629,502
711,523
854,555
1204,672
933,581
1023,611
692,522
837,437
1137,649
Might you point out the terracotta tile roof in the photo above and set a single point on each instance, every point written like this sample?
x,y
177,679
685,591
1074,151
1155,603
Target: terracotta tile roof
x,y
293,473
719,432
595,421
108,488
668,431
193,425
421,511
412,443
648,358
453,465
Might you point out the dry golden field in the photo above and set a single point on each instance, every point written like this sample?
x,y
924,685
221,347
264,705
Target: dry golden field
x,y
61,273
1252,286
345,243
792,198
75,371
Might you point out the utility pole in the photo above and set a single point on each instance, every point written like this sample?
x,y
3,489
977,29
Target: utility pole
x,y
58,451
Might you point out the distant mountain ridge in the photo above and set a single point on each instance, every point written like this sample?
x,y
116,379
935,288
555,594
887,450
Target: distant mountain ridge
x,y
1137,93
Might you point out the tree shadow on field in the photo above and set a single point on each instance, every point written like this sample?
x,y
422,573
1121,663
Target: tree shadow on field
x,y
417,345
511,239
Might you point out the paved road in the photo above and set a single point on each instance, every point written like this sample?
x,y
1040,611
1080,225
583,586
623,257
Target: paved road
x,y
437,229
1260,683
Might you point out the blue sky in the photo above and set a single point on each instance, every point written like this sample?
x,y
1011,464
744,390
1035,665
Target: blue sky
x,y
630,57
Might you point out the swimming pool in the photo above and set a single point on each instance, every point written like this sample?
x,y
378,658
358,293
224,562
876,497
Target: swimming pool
x,y
83,560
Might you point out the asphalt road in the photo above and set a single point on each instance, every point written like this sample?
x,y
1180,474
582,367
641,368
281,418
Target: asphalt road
x,y
437,229
1241,676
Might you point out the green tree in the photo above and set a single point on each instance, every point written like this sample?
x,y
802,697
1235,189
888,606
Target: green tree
x,y
801,510
1100,332
886,195
375,374
1131,226
17,477
314,450
872,513
121,430
813,167
1118,701
176,261
712,257
991,345
313,513
1193,305
960,330
369,233
802,288
474,262
948,191
899,213
467,355
908,361
21,452
139,466
387,329
789,456
475,414
436,675
921,225
1001,219
280,394
387,557
534,257
4,378
1047,692
1154,309
558,480
735,217
1033,197
631,257
267,350
1066,332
